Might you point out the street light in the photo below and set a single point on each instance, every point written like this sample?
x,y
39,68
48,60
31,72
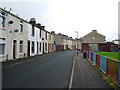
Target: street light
x,y
77,41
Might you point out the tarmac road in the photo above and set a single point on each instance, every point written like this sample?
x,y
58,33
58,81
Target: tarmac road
x,y
47,71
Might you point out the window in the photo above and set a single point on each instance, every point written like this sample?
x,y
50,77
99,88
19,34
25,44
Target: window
x,y
33,29
46,35
2,49
2,46
40,46
45,46
32,47
21,27
2,21
40,33
49,36
21,46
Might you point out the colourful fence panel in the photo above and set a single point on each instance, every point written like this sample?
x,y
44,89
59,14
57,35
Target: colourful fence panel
x,y
91,56
109,66
98,60
113,70
103,64
119,75
87,53
94,58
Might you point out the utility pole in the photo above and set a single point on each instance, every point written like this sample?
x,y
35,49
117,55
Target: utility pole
x,y
77,41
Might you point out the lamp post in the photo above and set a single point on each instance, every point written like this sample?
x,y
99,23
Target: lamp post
x,y
77,41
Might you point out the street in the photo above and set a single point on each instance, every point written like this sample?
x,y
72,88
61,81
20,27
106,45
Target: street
x,y
46,71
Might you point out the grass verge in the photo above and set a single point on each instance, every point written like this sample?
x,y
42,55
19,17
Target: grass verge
x,y
114,55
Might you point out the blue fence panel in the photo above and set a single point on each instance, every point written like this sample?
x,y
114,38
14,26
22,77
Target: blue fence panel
x,y
103,64
90,55
87,53
94,58
119,74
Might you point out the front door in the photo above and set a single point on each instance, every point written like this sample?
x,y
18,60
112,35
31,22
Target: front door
x,y
28,51
43,48
37,47
14,49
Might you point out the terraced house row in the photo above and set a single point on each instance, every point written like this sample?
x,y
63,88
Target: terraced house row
x,y
20,38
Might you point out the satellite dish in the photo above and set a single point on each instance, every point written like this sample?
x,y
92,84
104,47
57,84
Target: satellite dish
x,y
10,22
16,30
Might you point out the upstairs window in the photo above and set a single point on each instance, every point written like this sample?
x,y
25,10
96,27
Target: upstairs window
x,y
33,30
21,26
49,36
40,33
46,35
2,21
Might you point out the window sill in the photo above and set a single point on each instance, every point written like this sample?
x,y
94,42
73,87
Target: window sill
x,y
21,33
2,56
32,36
21,53
3,28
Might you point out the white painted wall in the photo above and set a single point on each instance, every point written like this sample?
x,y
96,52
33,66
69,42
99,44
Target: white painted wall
x,y
8,33
36,38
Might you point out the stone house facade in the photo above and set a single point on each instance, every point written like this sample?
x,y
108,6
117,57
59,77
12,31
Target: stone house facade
x,y
93,38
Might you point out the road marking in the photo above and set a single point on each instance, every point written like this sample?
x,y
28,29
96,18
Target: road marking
x,y
71,78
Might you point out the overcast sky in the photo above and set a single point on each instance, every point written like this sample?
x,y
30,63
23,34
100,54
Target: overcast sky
x,y
68,16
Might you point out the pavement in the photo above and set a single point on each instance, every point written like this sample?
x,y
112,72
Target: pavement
x,y
86,76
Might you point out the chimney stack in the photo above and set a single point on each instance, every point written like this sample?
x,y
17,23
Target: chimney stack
x,y
95,31
32,21
42,27
38,25
59,33
52,32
